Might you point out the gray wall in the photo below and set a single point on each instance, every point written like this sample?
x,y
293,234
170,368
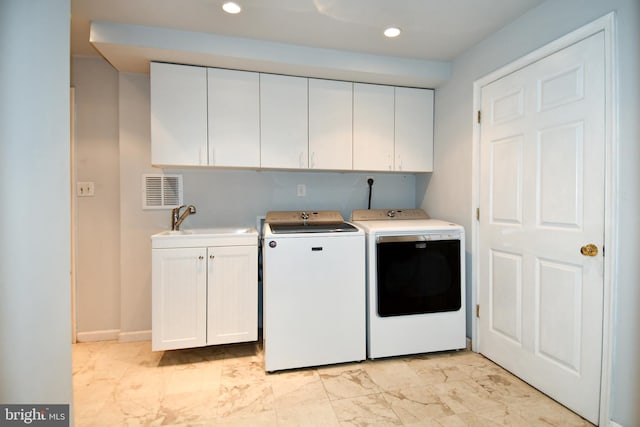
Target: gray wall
x,y
98,226
35,326
447,193
136,225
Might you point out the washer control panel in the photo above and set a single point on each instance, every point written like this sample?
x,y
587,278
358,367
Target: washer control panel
x,y
304,217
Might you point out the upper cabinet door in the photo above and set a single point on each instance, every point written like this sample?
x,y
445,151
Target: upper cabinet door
x,y
283,122
330,124
178,115
233,118
414,130
373,134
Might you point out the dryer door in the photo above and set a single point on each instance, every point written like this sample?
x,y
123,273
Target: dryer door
x,y
416,275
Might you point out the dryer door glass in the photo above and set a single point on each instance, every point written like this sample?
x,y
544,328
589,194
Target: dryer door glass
x,y
417,277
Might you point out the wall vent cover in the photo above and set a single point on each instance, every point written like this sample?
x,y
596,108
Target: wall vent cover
x,y
161,191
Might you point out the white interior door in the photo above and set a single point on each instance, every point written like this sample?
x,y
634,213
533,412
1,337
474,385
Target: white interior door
x,y
542,154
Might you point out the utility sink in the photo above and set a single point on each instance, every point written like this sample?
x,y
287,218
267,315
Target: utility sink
x,y
199,237
208,231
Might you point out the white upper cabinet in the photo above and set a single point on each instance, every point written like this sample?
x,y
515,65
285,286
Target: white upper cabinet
x,y
217,117
413,130
283,122
233,118
330,124
373,127
178,115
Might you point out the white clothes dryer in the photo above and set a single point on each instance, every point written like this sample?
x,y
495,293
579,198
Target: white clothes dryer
x,y
415,282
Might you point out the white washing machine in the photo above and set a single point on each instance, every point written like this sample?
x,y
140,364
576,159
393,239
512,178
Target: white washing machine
x,y
314,290
415,282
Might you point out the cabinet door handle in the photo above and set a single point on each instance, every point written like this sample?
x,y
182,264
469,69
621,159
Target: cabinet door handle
x,y
211,256
200,257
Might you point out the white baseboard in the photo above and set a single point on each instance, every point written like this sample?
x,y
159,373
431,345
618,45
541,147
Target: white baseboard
x,y
113,335
106,335
135,336
614,424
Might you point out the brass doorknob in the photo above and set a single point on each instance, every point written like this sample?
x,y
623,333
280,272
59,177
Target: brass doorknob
x,y
589,250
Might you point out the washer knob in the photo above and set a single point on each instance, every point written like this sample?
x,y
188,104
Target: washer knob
x,y
391,214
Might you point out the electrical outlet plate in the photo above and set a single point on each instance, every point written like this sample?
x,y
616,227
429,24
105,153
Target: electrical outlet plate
x,y
301,190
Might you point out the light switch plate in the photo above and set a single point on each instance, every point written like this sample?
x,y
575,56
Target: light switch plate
x,y
85,189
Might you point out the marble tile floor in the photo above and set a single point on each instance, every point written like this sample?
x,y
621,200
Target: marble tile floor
x,y
126,384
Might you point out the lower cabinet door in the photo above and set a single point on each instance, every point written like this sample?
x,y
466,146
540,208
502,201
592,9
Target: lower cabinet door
x,y
232,294
179,298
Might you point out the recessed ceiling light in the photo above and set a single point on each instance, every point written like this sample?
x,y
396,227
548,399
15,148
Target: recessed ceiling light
x,y
392,32
231,7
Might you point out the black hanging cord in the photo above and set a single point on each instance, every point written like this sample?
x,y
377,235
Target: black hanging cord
x,y
370,182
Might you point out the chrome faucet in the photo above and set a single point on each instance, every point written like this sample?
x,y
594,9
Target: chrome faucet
x,y
176,218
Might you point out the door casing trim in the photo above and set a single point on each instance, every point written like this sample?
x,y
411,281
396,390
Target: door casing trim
x,y
607,25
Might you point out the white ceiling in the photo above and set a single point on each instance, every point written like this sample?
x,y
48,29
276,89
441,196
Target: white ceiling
x,y
433,30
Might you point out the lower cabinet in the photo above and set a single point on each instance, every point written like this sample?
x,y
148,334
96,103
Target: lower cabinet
x,y
232,295
204,296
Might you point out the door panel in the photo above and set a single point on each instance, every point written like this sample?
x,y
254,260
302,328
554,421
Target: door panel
x,y
559,306
507,107
506,294
565,87
506,181
542,185
560,181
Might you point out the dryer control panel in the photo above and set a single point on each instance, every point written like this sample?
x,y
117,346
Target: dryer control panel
x,y
382,214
